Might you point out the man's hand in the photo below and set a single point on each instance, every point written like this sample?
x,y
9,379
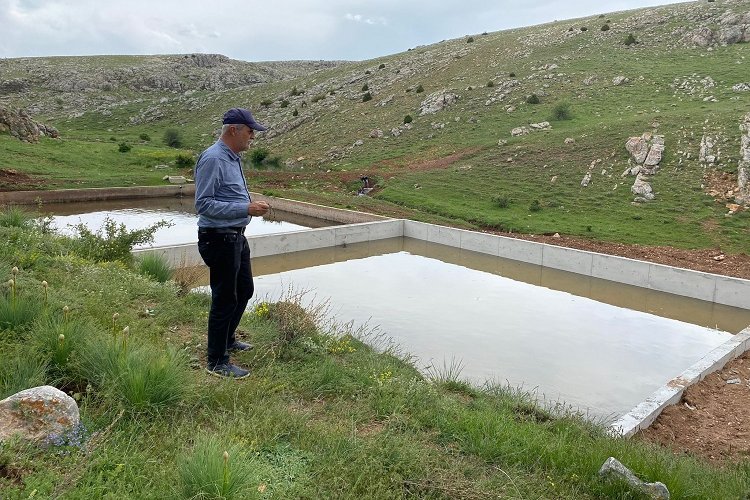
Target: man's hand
x,y
258,208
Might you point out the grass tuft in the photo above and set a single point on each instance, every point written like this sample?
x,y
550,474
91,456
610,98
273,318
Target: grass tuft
x,y
155,266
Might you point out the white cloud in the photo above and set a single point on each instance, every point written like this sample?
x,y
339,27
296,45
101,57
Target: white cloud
x,y
358,18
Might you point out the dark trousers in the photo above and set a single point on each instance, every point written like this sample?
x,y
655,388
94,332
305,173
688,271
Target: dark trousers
x,y
228,259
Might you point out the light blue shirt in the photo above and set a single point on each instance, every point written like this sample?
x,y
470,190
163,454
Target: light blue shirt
x,y
221,195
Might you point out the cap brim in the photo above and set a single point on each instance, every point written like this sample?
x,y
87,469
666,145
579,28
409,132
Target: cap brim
x,y
257,126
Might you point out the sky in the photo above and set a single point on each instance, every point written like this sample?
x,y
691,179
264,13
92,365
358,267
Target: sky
x,y
274,30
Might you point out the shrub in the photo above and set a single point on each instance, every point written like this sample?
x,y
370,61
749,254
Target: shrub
x,y
295,112
419,88
257,155
145,137
368,72
490,83
124,147
215,470
155,266
561,111
184,160
584,28
266,102
365,88
13,216
284,104
535,206
605,27
630,40
470,39
293,320
382,65
501,201
113,139
407,119
512,75
112,241
173,138
331,92
295,92
366,97
532,99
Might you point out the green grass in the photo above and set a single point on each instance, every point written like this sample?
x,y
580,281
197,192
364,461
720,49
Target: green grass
x,y
155,266
322,416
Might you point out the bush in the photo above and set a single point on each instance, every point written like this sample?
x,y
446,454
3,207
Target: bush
x,y
532,99
296,92
419,88
145,137
365,88
501,201
605,27
584,28
284,104
366,97
490,83
155,266
257,155
382,65
630,40
295,112
266,102
512,75
293,320
184,160
112,241
535,206
124,147
407,119
173,138
368,72
561,111
470,39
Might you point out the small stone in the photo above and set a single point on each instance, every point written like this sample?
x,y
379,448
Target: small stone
x,y
734,381
719,258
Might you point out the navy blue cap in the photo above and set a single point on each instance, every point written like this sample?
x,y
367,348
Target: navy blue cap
x,y
240,116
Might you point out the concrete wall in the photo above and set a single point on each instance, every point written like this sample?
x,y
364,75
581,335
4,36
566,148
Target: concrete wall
x,y
724,290
94,194
320,211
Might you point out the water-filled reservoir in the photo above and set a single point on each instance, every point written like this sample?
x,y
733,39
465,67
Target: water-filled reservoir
x,y
141,213
591,343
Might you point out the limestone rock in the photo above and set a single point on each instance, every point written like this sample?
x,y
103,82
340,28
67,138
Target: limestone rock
x,y
570,140
620,80
613,469
638,149
376,133
519,131
641,187
437,101
586,179
21,126
540,126
743,168
709,153
37,413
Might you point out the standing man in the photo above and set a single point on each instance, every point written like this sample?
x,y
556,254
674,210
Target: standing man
x,y
224,207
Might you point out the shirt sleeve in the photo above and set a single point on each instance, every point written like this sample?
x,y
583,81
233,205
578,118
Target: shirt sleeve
x,y
208,179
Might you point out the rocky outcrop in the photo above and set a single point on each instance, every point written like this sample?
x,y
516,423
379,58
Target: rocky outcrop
x,y
645,157
37,414
20,125
709,151
437,101
743,168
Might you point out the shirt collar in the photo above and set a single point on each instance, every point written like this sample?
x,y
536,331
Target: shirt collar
x,y
227,150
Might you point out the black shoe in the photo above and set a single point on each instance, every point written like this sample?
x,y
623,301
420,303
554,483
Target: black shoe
x,y
239,346
228,370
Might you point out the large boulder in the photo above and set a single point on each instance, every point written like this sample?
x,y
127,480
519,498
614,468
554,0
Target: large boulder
x,y
743,168
37,414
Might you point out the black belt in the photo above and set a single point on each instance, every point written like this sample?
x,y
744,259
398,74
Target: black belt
x,y
221,230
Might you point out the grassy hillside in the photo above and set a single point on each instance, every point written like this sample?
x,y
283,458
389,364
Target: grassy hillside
x,y
461,163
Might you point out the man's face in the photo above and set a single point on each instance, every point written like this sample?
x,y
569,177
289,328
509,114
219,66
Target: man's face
x,y
245,136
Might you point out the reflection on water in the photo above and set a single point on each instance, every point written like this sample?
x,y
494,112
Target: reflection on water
x,y
595,344
141,213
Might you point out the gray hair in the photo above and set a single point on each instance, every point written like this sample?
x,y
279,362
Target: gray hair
x,y
225,128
